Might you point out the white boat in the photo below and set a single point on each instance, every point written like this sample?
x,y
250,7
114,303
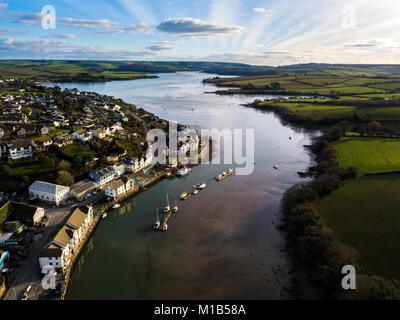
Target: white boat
x,y
195,191
115,206
230,170
157,224
275,166
183,172
218,177
223,173
183,195
175,209
104,215
202,186
165,227
167,207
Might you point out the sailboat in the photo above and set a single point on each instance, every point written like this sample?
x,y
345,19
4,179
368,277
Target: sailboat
x,y
175,208
157,224
167,207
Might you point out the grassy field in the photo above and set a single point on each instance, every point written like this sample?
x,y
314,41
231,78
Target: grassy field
x,y
370,155
322,84
365,213
77,150
317,109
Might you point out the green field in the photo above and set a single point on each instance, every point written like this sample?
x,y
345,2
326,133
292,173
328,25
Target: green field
x,y
370,155
365,214
77,150
317,109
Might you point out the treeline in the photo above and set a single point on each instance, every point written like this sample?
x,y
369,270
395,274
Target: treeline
x,y
288,116
314,244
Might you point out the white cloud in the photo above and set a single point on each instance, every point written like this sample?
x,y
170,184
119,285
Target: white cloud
x,y
375,43
259,10
164,45
89,24
63,36
133,29
11,48
3,5
196,27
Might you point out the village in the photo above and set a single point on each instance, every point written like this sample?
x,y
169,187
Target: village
x,y
44,225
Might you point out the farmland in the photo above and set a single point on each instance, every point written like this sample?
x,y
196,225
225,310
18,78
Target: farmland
x,y
364,213
370,155
314,85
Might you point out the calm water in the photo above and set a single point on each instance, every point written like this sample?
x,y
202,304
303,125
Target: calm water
x,y
223,243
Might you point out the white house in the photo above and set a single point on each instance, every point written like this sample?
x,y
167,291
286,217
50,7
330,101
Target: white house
x,y
59,252
20,150
119,169
99,133
103,175
118,187
82,135
49,192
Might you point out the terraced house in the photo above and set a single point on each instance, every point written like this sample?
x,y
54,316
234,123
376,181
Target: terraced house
x,y
118,187
64,245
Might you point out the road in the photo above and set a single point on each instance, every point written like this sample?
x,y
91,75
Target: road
x,y
29,273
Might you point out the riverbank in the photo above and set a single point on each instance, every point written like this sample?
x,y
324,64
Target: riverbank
x,y
311,242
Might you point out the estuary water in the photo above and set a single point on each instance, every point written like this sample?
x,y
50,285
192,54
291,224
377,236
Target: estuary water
x,y
224,242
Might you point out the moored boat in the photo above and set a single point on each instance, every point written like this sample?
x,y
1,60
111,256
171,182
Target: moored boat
x,y
167,207
202,186
104,215
183,172
115,206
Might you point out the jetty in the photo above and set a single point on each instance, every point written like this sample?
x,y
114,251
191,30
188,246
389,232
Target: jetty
x,y
221,176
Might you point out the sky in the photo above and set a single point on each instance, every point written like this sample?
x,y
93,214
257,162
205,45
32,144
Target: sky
x,y
258,32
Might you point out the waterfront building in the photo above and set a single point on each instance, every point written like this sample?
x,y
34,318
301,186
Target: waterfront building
x,y
119,169
49,192
81,189
103,175
61,249
118,187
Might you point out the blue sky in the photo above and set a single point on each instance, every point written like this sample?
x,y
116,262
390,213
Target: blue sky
x,y
257,32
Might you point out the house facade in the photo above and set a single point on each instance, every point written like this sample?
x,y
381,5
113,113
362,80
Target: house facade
x,y
103,175
82,135
118,187
20,150
49,192
59,252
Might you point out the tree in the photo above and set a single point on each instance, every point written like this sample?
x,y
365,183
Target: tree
x,y
64,165
374,126
64,178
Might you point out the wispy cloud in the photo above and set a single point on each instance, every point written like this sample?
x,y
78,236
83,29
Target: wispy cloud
x,y
164,45
196,27
259,10
63,36
3,5
375,43
56,49
89,24
133,29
